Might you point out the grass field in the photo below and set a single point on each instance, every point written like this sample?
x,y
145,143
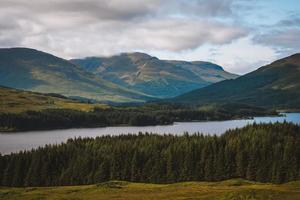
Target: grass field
x,y
16,101
225,190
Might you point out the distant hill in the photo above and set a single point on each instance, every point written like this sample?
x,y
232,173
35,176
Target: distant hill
x,y
276,85
152,76
33,70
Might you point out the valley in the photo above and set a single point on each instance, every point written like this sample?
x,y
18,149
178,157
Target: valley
x,y
11,142
149,100
26,111
229,128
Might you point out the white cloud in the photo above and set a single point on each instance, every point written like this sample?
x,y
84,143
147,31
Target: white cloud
x,y
244,56
239,57
210,30
83,28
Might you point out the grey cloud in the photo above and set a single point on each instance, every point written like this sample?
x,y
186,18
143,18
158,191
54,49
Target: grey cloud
x,y
107,9
293,21
177,35
212,8
9,40
121,9
163,34
287,38
90,27
282,36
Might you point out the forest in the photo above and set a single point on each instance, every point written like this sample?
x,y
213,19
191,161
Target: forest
x,y
148,114
258,152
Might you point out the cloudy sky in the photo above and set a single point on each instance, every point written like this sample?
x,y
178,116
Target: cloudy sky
x,y
240,35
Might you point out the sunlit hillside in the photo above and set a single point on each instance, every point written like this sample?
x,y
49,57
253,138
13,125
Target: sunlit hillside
x,y
225,190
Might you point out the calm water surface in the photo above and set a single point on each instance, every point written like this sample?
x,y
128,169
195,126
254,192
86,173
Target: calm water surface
x,y
13,142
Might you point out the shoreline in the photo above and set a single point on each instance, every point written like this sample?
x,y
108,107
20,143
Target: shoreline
x,y
11,131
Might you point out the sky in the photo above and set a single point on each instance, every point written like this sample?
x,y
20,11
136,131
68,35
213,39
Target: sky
x,y
239,35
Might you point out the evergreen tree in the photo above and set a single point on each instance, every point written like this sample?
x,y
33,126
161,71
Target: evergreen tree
x,y
259,152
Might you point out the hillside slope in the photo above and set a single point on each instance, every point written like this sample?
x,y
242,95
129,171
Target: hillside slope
x,y
152,76
225,190
37,71
18,101
275,85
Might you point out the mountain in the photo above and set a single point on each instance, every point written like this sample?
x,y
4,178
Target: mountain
x,y
152,76
276,85
33,70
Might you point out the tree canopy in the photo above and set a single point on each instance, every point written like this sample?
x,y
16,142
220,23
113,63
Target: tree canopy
x,y
258,152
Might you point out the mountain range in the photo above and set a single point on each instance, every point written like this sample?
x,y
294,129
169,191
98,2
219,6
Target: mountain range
x,y
138,77
33,70
152,76
128,77
276,85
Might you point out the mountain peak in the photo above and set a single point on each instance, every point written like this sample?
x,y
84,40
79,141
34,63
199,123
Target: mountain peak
x,y
19,51
207,65
27,54
137,56
30,69
152,76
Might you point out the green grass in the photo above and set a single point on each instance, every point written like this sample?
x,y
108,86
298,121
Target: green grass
x,y
226,190
17,101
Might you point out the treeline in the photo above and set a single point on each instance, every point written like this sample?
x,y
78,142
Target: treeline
x,y
150,114
259,152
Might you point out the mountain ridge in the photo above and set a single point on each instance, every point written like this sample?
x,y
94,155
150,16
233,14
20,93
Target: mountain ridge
x,y
30,69
274,85
152,76
128,77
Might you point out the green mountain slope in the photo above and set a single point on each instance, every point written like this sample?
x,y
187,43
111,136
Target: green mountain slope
x,y
149,75
37,71
18,101
275,85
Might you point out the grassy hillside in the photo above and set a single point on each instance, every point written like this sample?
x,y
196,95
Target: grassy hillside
x,y
276,85
225,190
37,71
17,101
24,110
152,76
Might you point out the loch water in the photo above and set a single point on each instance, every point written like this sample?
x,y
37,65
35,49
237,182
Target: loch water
x,y
14,142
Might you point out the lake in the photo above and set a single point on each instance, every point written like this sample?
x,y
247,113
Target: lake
x,y
13,142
